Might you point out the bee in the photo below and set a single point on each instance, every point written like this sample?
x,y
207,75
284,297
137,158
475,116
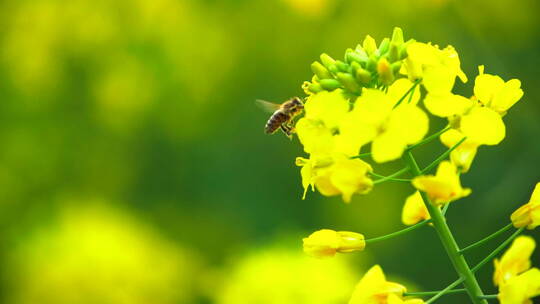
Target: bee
x,y
282,116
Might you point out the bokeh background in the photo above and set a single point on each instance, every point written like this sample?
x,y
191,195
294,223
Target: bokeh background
x,y
134,169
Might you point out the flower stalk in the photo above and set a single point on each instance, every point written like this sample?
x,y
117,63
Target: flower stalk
x,y
447,239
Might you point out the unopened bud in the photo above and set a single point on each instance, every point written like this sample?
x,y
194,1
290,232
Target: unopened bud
x,y
528,215
349,82
326,243
384,46
319,70
330,84
397,36
342,66
363,76
385,71
369,45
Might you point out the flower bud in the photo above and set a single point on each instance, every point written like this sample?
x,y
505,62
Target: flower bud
x,y
342,66
528,215
384,46
363,76
319,70
369,45
330,84
349,82
353,56
327,60
385,71
326,242
397,36
393,54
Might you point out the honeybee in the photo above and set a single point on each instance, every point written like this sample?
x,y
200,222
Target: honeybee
x,y
282,116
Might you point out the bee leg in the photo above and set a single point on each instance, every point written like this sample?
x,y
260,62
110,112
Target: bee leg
x,y
287,130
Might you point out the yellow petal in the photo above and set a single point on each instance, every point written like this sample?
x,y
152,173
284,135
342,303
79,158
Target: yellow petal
x,y
486,86
444,187
438,79
387,147
484,126
520,289
514,261
349,176
409,122
327,107
399,88
314,136
414,210
446,104
528,215
507,96
373,288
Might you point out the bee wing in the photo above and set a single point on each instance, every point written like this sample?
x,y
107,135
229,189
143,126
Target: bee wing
x,y
267,106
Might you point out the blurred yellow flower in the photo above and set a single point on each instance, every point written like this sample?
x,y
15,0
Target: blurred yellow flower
x,y
414,210
390,130
374,289
444,187
528,215
496,94
334,175
519,289
98,255
284,276
462,156
326,243
514,261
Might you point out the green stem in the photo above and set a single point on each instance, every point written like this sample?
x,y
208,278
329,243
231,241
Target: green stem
x,y
447,239
361,155
431,293
411,95
487,297
479,265
407,93
429,138
445,208
392,176
397,233
497,250
442,156
488,238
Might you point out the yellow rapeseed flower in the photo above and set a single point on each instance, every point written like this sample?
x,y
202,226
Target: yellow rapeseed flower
x,y
326,243
493,92
520,289
464,154
514,261
390,130
334,175
438,68
374,289
414,210
528,215
443,187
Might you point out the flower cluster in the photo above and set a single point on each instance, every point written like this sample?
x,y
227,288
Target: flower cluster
x,y
367,66
378,104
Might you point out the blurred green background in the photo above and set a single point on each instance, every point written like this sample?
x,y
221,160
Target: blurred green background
x,y
134,168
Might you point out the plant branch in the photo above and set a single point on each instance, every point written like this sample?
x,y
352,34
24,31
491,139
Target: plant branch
x,y
443,156
397,233
488,238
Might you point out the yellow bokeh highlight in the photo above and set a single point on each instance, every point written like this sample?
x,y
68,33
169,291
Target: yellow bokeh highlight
x,y
96,254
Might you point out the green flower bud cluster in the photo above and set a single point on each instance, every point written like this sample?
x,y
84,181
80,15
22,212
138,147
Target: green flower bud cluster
x,y
366,66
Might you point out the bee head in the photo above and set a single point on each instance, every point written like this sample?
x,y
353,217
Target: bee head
x,y
297,102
